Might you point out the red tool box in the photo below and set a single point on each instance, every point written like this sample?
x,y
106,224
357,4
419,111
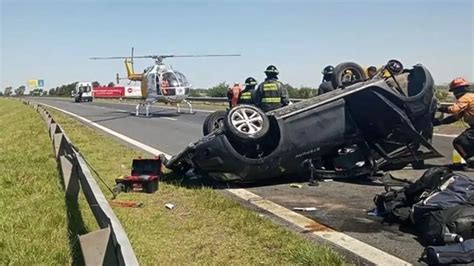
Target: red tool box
x,y
144,177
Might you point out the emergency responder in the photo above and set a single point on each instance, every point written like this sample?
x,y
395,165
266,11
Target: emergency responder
x,y
247,94
271,94
371,71
233,94
462,108
326,85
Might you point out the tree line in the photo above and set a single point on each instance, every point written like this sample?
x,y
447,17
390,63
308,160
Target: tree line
x,y
219,90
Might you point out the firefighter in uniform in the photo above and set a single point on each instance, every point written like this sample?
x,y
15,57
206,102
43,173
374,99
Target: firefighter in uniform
x,y
462,108
246,96
326,84
271,94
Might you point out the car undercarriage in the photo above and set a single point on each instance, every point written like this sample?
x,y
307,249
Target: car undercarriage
x,y
363,126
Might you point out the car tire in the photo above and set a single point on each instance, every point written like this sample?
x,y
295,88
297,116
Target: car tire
x,y
340,69
213,122
247,123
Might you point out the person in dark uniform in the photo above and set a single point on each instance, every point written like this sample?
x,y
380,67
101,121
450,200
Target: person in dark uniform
x,y
326,84
371,71
271,94
246,96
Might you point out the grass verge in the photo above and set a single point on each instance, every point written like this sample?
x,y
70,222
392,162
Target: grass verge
x,y
204,228
33,219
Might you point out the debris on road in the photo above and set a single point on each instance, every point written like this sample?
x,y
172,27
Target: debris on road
x,y
296,185
127,204
169,206
304,209
143,177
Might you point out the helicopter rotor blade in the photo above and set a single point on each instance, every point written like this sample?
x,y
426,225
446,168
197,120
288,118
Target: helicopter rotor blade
x,y
164,56
199,55
121,57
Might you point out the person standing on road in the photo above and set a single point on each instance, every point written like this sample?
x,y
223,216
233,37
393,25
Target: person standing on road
x,y
233,94
247,94
463,108
271,94
326,85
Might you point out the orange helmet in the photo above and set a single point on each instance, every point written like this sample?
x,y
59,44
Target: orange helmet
x,y
457,83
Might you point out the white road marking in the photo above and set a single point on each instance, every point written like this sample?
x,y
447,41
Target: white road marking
x,y
170,118
445,135
343,241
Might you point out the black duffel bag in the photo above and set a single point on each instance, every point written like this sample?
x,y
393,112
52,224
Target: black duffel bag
x,y
395,205
433,226
456,253
446,209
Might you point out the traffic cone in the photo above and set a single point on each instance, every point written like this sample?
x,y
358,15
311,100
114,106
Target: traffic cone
x,y
457,159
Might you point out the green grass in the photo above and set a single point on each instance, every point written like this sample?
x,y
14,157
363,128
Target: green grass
x,y
33,217
204,228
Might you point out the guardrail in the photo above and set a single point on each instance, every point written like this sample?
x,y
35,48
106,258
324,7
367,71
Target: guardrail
x,y
108,245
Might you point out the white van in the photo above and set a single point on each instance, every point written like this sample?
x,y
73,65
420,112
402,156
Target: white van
x,y
83,92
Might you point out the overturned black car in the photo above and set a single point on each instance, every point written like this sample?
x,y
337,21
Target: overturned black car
x,y
363,126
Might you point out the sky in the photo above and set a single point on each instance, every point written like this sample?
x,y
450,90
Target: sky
x,y
53,40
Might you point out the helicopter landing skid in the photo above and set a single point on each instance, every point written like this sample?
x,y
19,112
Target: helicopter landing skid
x,y
190,108
147,109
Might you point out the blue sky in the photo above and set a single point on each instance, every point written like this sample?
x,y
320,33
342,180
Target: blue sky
x,y
52,40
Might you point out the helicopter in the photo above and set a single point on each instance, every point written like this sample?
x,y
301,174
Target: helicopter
x,y
159,82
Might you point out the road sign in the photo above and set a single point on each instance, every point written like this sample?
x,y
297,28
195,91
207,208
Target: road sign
x,y
32,83
40,83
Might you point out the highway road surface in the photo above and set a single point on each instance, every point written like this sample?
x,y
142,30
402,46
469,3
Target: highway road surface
x,y
341,205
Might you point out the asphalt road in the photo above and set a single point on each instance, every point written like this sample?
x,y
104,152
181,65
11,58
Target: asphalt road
x,y
340,205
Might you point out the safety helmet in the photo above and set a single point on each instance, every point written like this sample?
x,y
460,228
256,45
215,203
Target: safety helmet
x,y
458,83
250,81
371,68
328,70
271,69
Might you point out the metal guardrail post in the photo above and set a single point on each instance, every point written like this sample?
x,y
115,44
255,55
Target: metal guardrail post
x,y
110,244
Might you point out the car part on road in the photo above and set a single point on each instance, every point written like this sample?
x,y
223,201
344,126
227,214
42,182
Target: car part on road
x,y
213,122
347,132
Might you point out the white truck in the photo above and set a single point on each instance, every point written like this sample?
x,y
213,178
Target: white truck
x,y
83,92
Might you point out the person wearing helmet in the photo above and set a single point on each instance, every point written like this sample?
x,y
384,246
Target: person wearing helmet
x,y
233,94
463,108
371,71
326,84
247,94
271,94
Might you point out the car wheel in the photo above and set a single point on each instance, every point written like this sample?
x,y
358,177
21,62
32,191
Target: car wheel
x,y
213,122
342,77
247,123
